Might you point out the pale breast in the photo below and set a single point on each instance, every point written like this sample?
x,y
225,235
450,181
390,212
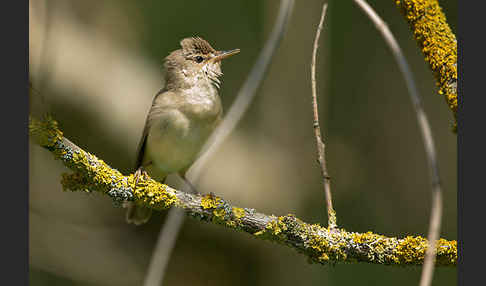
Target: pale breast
x,y
177,135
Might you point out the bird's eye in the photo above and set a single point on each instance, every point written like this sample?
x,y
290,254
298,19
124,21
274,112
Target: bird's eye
x,y
199,59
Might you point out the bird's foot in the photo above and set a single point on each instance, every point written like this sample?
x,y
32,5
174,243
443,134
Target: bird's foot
x,y
140,173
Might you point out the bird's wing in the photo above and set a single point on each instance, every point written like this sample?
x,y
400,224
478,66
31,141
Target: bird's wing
x,y
141,148
141,144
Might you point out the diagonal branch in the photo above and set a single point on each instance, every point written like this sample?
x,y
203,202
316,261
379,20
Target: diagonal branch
x,y
319,244
438,44
321,147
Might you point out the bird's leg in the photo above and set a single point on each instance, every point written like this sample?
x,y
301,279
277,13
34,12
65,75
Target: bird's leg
x,y
139,173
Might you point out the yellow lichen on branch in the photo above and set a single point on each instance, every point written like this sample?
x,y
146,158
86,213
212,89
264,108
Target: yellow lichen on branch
x,y
45,132
438,44
319,244
210,201
93,174
323,245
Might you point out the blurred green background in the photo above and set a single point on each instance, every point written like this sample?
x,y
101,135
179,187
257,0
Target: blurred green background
x,y
97,65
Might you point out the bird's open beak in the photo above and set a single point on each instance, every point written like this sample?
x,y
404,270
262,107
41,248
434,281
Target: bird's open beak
x,y
225,54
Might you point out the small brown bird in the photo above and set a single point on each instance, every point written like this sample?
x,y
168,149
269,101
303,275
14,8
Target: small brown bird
x,y
183,115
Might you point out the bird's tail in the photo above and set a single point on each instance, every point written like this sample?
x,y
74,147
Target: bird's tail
x,y
137,214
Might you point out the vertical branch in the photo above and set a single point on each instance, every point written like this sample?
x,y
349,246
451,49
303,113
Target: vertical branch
x,y
436,211
164,246
169,232
248,91
331,214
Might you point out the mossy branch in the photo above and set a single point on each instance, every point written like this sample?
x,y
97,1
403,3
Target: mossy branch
x,y
319,244
438,44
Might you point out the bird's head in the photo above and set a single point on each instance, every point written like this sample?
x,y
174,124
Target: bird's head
x,y
196,61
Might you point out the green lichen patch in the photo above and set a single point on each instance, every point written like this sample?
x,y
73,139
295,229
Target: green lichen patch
x,y
152,194
332,245
277,227
274,230
374,247
45,132
222,212
446,252
320,246
220,217
98,171
238,212
411,250
329,246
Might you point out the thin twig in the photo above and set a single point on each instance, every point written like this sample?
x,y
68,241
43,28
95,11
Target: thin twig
x,y
321,147
247,91
436,212
164,246
175,218
166,242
